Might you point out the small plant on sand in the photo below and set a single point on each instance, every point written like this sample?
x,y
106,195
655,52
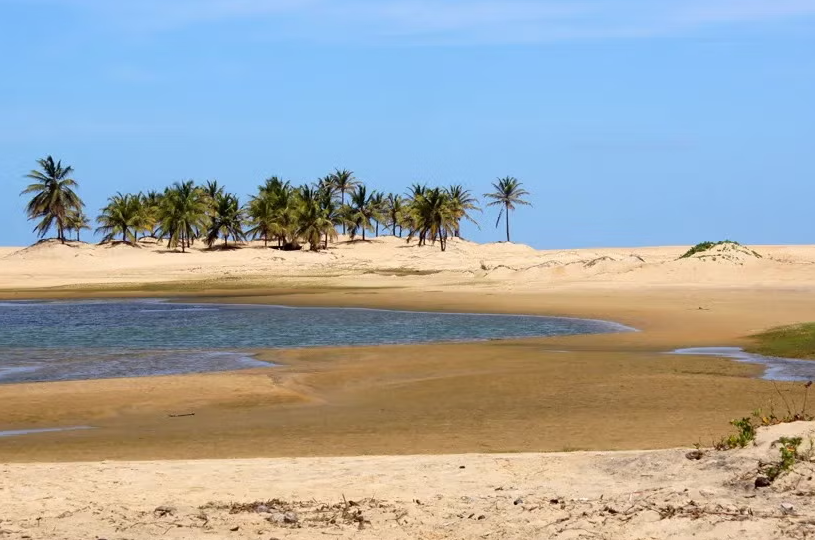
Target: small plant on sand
x,y
746,434
794,412
788,447
747,426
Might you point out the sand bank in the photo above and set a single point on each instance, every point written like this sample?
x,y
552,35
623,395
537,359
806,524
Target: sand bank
x,y
622,495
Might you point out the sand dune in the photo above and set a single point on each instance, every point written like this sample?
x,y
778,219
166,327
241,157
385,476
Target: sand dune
x,y
50,264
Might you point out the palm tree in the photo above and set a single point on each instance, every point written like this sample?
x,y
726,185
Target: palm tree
x,y
151,202
273,184
77,221
261,213
325,184
284,214
416,189
313,219
360,211
508,192
226,221
332,212
343,182
213,190
410,218
395,209
124,214
380,207
462,201
184,212
54,197
435,215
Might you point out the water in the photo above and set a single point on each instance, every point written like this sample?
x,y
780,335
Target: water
x,y
18,432
776,369
54,341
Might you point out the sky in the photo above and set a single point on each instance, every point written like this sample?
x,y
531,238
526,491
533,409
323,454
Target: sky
x,y
630,122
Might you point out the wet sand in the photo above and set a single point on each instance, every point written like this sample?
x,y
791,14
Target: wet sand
x,y
608,392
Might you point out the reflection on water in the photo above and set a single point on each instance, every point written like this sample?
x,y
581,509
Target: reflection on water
x,y
53,341
776,369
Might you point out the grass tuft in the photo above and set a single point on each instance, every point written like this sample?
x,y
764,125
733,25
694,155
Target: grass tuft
x,y
795,341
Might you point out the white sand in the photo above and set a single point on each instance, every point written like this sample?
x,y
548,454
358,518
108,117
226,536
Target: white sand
x,y
624,495
500,265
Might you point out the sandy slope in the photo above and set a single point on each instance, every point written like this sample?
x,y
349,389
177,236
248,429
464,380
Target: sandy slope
x,y
625,495
501,265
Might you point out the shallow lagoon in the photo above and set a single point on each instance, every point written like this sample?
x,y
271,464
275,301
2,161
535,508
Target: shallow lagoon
x,y
53,341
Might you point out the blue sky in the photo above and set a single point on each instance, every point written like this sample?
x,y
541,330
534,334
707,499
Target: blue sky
x,y
631,122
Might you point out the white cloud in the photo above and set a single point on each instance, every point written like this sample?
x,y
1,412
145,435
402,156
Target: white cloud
x,y
463,21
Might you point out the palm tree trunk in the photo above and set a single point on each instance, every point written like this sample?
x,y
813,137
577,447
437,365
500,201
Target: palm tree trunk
x,y
506,210
363,233
342,203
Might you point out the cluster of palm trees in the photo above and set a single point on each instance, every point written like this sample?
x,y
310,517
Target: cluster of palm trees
x,y
290,216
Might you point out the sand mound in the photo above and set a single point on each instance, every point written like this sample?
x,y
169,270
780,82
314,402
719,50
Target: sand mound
x,y
49,249
562,266
722,252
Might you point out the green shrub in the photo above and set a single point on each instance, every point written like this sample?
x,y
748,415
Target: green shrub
x,y
789,455
705,246
746,434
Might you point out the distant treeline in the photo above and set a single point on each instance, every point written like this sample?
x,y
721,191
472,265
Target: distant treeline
x,y
286,215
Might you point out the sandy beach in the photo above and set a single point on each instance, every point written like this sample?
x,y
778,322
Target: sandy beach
x,y
625,495
294,432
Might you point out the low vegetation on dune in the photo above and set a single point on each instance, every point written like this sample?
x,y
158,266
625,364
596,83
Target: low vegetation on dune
x,y
788,447
722,248
794,341
287,215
